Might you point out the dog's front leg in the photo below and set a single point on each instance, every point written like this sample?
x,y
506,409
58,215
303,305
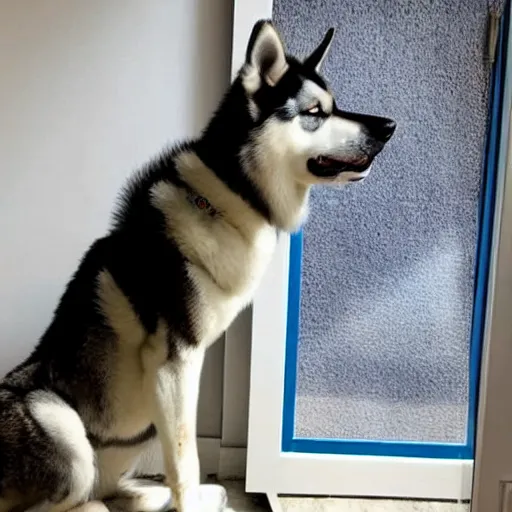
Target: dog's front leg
x,y
177,390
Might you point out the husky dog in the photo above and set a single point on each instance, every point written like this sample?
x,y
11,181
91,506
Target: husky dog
x,y
120,362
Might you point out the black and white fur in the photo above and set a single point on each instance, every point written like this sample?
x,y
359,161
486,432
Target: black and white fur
x,y
121,360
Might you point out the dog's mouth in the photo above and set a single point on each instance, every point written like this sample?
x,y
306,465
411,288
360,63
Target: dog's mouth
x,y
330,167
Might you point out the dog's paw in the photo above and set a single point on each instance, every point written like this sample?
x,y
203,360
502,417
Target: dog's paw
x,y
153,499
141,495
213,497
206,498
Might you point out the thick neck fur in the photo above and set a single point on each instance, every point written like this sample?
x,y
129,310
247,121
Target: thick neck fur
x,y
232,146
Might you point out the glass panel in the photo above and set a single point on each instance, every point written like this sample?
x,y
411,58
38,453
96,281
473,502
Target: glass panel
x,y
388,264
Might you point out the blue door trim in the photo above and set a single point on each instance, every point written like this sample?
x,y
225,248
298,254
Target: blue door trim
x,y
290,443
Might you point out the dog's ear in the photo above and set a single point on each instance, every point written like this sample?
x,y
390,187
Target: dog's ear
x,y
265,53
315,60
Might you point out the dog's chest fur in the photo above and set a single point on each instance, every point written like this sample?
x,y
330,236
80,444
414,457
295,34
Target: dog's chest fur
x,y
227,252
220,304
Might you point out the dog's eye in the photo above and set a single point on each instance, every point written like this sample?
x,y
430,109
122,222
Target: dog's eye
x,y
314,110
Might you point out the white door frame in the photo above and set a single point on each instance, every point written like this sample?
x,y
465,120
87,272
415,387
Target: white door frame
x,y
492,488
271,471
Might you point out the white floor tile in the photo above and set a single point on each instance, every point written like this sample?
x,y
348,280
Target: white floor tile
x,y
240,502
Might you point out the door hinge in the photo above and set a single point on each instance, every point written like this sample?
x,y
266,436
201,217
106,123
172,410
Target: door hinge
x,y
493,30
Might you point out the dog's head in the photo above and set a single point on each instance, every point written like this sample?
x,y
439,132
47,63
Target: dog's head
x,y
299,128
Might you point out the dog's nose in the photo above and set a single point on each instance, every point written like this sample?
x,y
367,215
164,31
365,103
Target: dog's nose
x,y
383,129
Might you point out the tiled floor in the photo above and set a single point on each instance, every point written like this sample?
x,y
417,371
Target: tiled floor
x,y
240,502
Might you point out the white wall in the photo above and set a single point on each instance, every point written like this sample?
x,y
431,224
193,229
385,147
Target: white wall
x,y
88,91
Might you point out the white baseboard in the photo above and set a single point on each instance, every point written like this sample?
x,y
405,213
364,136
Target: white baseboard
x,y
225,462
